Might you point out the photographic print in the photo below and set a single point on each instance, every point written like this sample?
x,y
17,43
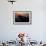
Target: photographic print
x,y
22,17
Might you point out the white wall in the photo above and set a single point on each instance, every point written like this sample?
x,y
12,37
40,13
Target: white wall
x,y
9,31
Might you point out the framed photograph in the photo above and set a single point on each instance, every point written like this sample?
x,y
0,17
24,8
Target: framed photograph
x,y
22,17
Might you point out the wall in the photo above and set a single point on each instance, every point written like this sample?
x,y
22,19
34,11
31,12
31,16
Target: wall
x,y
9,31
